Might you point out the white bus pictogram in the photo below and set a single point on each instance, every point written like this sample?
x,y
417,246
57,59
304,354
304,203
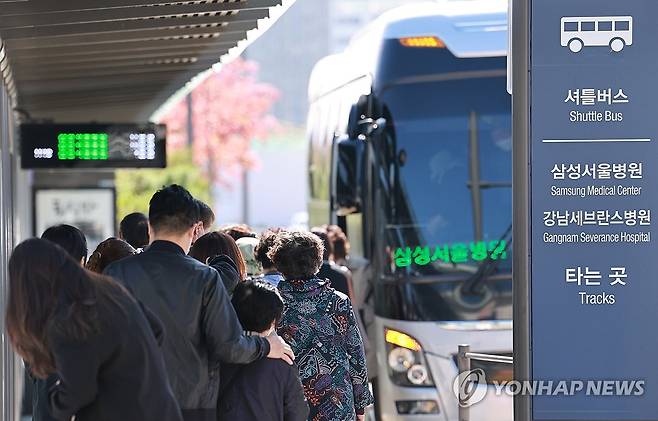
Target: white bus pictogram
x,y
613,31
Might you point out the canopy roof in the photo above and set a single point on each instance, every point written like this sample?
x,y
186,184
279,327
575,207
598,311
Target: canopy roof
x,y
114,60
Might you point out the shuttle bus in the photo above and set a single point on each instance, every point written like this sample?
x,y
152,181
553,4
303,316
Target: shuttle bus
x,y
615,32
410,152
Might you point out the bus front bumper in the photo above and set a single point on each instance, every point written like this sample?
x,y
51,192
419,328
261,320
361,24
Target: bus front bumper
x,y
391,398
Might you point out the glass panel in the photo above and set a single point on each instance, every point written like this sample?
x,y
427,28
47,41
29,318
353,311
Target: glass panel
x,y
451,198
453,206
495,143
433,179
450,301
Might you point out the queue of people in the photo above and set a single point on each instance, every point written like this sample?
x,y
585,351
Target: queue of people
x,y
179,322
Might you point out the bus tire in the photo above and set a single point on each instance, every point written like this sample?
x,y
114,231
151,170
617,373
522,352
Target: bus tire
x,y
576,45
617,44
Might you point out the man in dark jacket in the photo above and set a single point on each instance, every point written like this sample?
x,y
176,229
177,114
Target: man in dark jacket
x,y
266,389
189,298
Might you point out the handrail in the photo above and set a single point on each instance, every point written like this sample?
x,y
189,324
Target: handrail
x,y
490,357
464,357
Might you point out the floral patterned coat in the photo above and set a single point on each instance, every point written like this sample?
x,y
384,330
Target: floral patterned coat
x,y
320,326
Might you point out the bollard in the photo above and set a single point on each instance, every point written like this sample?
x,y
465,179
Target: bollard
x,y
463,365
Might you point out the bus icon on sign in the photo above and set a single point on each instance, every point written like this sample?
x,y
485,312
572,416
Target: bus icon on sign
x,y
613,31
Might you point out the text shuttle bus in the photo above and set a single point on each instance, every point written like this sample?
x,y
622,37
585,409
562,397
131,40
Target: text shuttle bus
x,y
410,152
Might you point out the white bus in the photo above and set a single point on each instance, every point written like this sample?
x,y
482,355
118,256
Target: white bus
x,y
613,31
410,152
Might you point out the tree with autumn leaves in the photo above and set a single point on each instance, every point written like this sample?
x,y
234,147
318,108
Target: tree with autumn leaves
x,y
230,110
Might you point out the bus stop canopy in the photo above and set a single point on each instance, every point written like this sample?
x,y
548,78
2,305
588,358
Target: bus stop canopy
x,y
114,60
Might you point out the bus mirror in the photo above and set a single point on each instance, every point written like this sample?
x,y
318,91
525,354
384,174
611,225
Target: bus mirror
x,y
353,129
357,119
347,175
376,127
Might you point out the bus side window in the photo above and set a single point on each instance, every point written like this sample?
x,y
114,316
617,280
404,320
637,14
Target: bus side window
x,y
588,26
622,25
605,26
570,26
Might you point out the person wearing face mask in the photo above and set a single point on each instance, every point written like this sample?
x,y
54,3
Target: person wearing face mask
x,y
206,220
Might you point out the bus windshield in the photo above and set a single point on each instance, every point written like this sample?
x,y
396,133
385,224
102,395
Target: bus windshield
x,y
450,161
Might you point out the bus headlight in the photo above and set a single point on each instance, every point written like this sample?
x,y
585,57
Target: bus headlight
x,y
400,360
406,363
417,374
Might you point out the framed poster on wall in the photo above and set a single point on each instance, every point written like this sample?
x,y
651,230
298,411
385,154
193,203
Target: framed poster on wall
x,y
92,210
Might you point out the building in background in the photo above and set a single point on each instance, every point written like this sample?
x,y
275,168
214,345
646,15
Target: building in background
x,y
287,53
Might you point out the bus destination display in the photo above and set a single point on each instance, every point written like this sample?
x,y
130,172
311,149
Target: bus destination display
x,y
93,146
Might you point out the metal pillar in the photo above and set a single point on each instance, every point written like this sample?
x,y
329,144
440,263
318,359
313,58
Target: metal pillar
x,y
464,365
520,27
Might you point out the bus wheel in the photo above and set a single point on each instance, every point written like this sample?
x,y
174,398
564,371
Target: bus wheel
x,y
575,45
617,45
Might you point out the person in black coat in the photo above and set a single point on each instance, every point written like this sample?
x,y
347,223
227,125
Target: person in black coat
x,y
192,303
74,242
86,328
266,389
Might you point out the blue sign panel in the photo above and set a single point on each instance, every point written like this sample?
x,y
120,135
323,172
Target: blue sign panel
x,y
594,159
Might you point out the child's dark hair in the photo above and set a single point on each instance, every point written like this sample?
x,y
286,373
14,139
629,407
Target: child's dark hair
x,y
134,229
257,305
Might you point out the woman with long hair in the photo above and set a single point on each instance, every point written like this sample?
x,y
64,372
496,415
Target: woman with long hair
x,y
219,250
87,331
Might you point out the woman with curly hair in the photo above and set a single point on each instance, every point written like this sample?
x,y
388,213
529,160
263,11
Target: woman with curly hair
x,y
270,274
320,325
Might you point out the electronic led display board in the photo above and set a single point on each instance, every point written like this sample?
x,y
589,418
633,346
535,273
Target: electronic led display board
x,y
93,145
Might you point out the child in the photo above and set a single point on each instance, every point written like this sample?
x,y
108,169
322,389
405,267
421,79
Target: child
x,y
266,389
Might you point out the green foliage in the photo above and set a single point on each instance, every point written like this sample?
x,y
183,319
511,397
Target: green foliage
x,y
135,187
